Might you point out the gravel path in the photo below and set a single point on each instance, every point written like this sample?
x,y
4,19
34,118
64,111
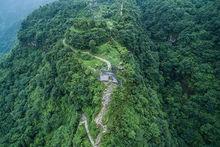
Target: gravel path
x,y
106,99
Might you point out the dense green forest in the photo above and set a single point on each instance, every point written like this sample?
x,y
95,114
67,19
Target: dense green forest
x,y
165,55
12,12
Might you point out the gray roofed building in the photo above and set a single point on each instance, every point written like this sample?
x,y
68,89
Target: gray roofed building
x,y
106,76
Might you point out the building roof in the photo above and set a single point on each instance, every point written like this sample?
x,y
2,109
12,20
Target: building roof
x,y
104,77
114,80
108,76
107,73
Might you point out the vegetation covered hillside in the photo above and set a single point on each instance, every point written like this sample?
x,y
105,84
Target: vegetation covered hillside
x,y
164,55
12,12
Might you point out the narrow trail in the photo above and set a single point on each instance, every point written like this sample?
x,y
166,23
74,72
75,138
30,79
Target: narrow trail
x,y
108,63
106,99
84,121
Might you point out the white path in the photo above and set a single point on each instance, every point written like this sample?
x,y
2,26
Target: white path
x,y
106,99
108,63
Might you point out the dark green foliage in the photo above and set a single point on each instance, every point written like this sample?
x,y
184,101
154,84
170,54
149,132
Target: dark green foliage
x,y
188,50
37,84
87,31
12,13
169,85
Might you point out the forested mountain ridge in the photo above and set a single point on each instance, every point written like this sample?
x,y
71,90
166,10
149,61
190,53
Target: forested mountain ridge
x,y
12,13
165,55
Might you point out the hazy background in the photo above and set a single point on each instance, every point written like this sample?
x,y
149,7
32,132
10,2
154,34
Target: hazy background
x,y
12,12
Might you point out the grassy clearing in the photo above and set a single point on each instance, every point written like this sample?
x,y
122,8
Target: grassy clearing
x,y
90,62
111,51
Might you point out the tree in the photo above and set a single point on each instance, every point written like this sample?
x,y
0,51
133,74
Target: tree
x,y
92,45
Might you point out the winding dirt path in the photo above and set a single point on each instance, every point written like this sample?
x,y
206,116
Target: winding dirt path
x,y
84,121
106,99
108,63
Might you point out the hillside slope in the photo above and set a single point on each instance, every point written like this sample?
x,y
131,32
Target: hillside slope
x,y
164,54
12,13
